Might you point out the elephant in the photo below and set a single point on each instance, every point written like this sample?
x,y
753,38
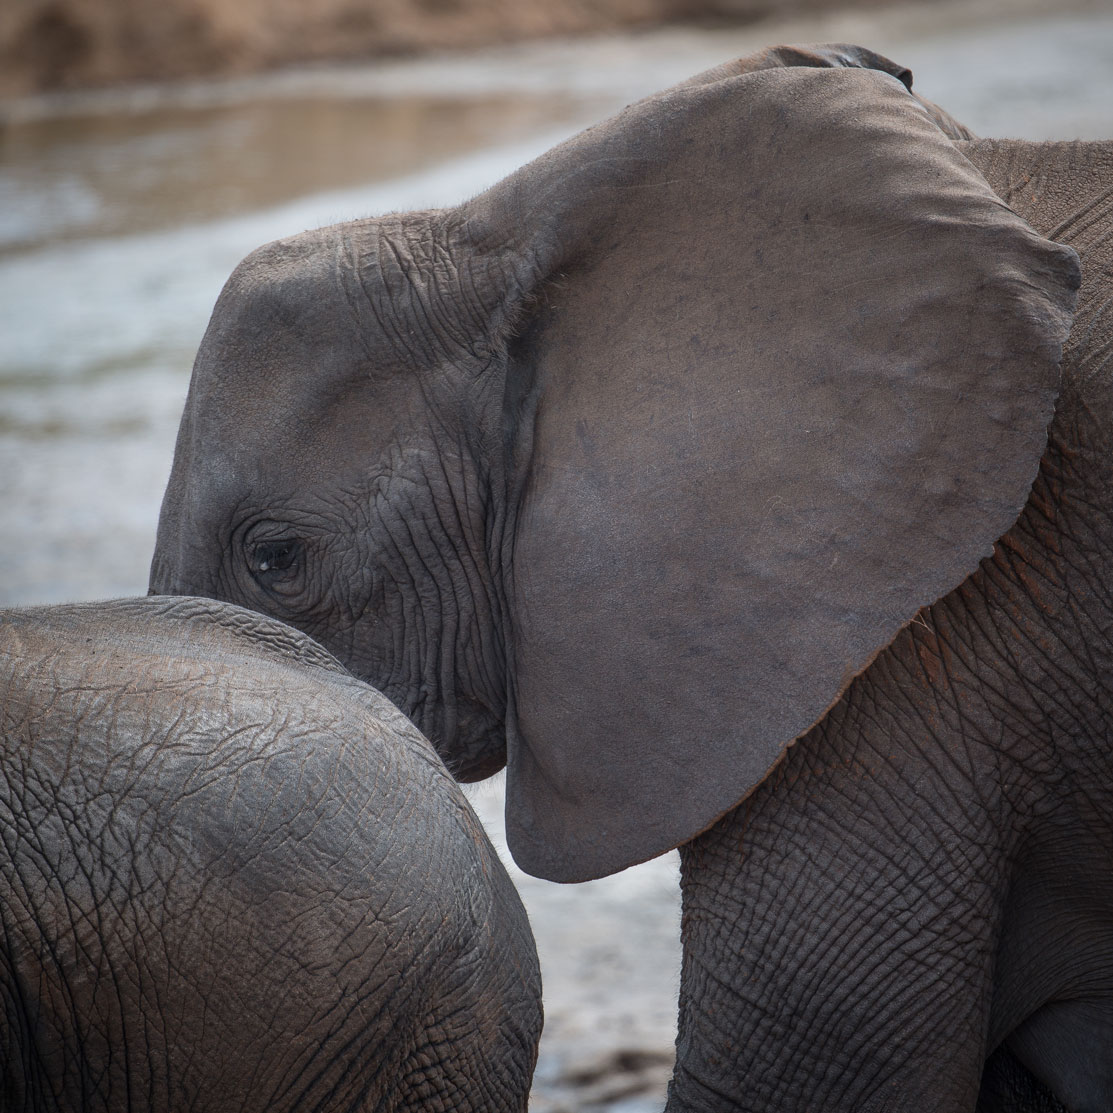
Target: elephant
x,y
739,475
236,878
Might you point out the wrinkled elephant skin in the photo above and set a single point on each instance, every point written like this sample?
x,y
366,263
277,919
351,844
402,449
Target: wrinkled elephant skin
x,y
236,878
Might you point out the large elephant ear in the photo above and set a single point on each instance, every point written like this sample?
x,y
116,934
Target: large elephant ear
x,y
784,378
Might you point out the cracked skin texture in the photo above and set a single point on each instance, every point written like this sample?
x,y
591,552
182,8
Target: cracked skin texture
x,y
234,877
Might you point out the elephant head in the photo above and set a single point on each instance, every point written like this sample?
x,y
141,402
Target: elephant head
x,y
621,471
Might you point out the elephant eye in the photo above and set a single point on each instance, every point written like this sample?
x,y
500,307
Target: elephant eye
x,y
270,559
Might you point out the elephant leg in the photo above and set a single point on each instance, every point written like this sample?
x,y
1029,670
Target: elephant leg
x,y
839,929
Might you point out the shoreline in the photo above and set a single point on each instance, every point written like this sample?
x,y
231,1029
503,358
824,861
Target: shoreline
x,y
535,65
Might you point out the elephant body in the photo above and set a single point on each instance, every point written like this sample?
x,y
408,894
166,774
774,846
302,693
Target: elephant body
x,y
950,821
234,877
725,457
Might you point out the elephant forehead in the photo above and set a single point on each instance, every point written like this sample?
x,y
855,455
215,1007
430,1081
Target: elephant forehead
x,y
299,369
291,329
278,327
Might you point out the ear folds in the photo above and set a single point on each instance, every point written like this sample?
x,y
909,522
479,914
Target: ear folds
x,y
793,364
832,55
815,56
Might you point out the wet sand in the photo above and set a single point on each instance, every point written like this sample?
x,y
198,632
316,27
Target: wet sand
x,y
122,213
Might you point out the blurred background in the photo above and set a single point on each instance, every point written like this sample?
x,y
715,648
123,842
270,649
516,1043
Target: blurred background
x,y
144,149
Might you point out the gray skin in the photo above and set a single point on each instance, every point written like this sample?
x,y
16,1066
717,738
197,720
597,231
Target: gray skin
x,y
976,916
701,472
236,878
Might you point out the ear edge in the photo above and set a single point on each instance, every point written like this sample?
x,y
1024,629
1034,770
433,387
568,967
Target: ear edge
x,y
583,862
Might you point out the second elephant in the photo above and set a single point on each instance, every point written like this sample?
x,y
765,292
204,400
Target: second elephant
x,y
235,878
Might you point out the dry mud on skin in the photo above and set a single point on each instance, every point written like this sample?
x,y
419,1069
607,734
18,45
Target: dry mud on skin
x,y
99,321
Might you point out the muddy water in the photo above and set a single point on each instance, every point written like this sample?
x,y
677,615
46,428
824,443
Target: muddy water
x,y
121,215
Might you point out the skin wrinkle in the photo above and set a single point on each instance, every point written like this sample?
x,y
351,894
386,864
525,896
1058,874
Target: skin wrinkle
x,y
408,554
1077,225
349,268
383,313
833,982
967,772
60,969
345,1052
410,319
883,840
792,1046
26,1010
448,595
267,837
397,525
477,585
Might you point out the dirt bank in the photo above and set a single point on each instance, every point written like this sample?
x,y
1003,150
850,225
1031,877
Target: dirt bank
x,y
67,44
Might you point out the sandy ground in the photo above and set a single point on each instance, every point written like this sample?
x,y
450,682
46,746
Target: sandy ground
x,y
121,214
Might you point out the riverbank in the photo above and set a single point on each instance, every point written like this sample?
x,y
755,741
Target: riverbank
x,y
72,44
